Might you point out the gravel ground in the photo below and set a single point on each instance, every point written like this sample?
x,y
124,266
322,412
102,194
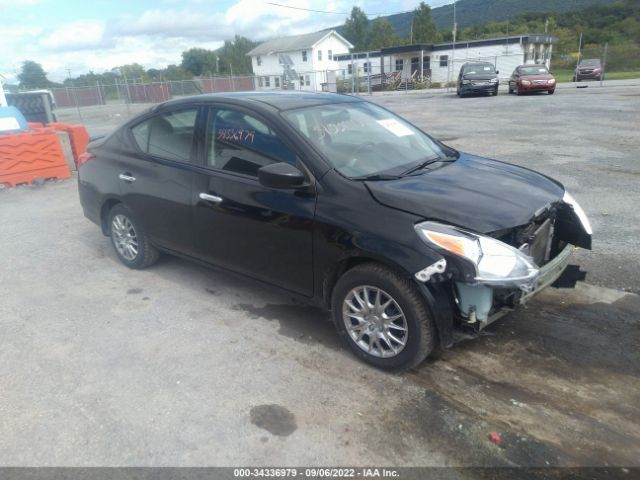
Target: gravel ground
x,y
185,366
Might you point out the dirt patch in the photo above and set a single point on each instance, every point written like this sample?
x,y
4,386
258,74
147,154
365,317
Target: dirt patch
x,y
302,323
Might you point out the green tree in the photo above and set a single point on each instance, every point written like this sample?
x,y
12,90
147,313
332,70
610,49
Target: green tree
x,y
32,75
233,56
132,72
356,29
199,61
382,34
424,30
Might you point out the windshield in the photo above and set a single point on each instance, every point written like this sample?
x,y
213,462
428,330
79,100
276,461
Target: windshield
x,y
361,139
533,70
478,69
590,63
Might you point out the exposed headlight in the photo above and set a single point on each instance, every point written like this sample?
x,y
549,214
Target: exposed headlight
x,y
579,212
525,82
466,82
552,81
496,263
494,80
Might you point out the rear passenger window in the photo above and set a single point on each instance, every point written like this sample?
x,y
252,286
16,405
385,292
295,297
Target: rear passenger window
x,y
167,135
241,143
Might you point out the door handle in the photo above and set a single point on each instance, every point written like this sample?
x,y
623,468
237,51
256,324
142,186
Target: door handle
x,y
210,198
127,178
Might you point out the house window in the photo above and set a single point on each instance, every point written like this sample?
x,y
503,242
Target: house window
x,y
259,60
350,69
260,82
301,79
399,64
304,55
267,81
307,80
319,54
330,55
366,67
277,82
444,60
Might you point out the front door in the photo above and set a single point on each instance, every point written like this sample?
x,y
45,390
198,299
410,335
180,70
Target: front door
x,y
242,225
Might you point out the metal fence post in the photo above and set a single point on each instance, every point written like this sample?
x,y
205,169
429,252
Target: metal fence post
x,y
604,62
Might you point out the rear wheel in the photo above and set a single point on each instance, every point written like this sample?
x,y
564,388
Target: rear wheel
x,y
129,239
382,317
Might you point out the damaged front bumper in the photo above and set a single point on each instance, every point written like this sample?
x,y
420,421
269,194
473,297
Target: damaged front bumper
x,y
476,301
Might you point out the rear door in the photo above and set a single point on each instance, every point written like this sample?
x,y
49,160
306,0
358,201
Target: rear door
x,y
156,184
242,225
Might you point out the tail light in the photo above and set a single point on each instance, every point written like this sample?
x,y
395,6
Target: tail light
x,y
84,158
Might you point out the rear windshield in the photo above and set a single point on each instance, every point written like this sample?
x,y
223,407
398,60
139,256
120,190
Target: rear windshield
x,y
478,69
533,70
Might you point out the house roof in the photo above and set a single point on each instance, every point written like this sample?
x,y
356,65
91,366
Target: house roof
x,y
294,42
525,37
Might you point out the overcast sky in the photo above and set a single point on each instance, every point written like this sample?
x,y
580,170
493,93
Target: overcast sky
x,y
101,34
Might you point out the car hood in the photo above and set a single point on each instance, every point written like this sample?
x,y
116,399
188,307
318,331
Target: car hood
x,y
475,193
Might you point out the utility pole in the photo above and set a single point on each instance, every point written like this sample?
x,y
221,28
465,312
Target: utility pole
x,y
575,74
451,69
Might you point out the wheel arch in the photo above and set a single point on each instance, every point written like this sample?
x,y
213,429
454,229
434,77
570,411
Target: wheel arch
x,y
104,214
437,297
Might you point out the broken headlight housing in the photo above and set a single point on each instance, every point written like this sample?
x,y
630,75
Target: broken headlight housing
x,y
496,263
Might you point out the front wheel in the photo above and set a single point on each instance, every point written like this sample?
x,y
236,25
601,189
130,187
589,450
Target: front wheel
x,y
130,240
382,317
551,92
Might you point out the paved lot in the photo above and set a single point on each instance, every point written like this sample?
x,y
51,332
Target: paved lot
x,y
181,365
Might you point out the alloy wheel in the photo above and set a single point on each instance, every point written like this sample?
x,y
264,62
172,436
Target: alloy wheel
x,y
374,321
124,237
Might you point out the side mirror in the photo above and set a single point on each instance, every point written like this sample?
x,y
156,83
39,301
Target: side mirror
x,y
497,72
280,175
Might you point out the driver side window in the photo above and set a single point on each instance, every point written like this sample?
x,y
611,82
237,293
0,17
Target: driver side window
x,y
240,143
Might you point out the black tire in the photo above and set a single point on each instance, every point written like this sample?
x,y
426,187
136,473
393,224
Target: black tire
x,y
551,92
495,92
146,254
420,339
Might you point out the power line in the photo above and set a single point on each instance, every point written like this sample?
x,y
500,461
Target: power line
x,y
347,13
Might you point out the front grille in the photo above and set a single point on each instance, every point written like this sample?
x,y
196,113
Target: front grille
x,y
540,82
480,82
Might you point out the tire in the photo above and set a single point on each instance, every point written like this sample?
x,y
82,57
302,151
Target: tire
x,y
551,92
404,349
517,91
130,240
495,92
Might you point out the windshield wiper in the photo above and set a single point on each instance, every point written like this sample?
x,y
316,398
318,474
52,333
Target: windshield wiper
x,y
421,165
377,176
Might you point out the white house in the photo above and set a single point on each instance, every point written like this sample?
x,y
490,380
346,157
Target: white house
x,y
300,62
441,62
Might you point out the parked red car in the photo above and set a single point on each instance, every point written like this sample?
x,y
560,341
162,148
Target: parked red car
x,y
588,69
532,78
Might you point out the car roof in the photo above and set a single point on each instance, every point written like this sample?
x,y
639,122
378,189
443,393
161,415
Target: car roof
x,y
279,100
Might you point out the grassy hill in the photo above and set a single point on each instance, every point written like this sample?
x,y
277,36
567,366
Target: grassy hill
x,y
478,12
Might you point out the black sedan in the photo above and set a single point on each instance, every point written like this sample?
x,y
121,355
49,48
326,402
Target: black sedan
x,y
406,240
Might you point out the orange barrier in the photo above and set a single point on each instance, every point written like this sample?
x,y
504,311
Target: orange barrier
x,y
77,134
31,155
